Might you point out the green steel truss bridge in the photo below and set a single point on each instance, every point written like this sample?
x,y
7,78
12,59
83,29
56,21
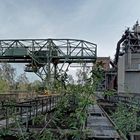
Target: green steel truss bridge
x,y
47,57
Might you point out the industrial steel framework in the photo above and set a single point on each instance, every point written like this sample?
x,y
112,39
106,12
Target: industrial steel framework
x,y
48,58
130,42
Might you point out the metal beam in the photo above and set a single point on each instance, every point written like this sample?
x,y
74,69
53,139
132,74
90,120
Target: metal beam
x,y
43,54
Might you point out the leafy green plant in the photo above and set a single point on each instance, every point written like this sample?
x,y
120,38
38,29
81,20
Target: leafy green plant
x,y
47,135
5,132
125,118
69,117
38,120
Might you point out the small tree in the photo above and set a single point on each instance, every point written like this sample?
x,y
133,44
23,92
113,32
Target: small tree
x,y
4,85
36,85
7,74
83,74
22,82
70,79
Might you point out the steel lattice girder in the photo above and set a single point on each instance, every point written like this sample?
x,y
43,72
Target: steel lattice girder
x,y
43,54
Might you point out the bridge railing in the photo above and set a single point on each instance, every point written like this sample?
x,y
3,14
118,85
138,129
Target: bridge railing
x,y
25,111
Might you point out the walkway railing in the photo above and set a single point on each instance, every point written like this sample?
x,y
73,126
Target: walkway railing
x,y
26,111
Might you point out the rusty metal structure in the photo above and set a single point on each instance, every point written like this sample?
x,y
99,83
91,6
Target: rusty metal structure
x,y
109,74
127,61
130,42
48,58
124,71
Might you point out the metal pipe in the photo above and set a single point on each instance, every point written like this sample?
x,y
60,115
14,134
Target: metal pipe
x,y
118,48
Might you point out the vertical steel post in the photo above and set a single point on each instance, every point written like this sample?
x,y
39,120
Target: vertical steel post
x,y
7,117
27,120
42,104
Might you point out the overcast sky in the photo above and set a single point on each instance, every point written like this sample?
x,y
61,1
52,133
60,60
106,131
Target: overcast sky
x,y
99,21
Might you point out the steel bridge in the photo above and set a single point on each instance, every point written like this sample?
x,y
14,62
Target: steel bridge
x,y
48,58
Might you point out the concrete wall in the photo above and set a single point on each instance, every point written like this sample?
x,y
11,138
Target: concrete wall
x,y
121,74
132,82
135,63
129,73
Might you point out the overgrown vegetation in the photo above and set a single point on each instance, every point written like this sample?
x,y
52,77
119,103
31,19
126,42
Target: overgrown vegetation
x,y
126,118
69,117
